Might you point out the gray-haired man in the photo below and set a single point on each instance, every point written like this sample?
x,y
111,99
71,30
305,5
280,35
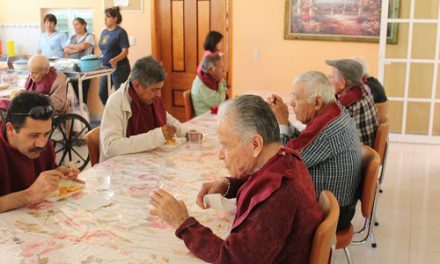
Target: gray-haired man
x,y
209,87
277,211
329,144
134,117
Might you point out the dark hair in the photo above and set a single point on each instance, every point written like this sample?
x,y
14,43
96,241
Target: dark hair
x,y
210,61
114,12
23,103
50,18
211,40
81,21
148,71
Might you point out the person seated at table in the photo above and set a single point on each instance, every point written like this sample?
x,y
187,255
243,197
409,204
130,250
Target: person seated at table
x,y
79,45
376,89
277,211
51,42
27,159
346,79
46,80
209,87
134,118
329,145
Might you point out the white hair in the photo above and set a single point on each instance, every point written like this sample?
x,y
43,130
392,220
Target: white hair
x,y
362,62
316,84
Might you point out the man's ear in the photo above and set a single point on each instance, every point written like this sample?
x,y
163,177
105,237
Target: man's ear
x,y
257,145
9,128
319,103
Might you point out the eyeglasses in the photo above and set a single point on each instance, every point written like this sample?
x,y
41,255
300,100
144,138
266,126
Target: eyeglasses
x,y
38,112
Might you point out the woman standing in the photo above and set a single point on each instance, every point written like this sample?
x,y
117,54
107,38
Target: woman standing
x,y
114,45
79,45
51,42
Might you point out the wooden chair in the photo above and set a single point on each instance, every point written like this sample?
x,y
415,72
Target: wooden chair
x,y
92,139
381,146
325,234
370,169
187,101
382,111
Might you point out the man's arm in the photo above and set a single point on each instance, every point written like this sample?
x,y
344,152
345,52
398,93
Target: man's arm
x,y
112,135
14,200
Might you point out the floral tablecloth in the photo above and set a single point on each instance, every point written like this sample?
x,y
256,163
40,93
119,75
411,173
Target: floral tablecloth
x,y
114,225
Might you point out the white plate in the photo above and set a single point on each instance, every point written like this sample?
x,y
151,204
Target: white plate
x,y
178,141
76,186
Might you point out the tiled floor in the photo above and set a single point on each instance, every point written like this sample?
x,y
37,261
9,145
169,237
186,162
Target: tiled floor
x,y
408,210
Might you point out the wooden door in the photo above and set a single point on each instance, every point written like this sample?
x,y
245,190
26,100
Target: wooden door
x,y
180,27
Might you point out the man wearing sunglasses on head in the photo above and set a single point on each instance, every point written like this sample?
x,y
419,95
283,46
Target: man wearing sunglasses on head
x,y
27,159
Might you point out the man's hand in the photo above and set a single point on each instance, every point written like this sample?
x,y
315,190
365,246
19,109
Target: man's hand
x,y
173,212
70,172
279,108
219,186
168,131
46,183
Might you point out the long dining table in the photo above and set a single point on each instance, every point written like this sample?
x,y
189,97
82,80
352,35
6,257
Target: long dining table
x,y
113,224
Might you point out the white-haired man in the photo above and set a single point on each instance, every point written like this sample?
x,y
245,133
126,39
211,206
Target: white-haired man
x,y
329,144
277,212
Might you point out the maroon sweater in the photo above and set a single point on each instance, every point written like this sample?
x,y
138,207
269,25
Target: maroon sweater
x,y
18,172
277,214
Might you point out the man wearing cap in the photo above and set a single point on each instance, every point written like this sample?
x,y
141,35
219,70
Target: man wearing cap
x,y
329,145
27,159
346,79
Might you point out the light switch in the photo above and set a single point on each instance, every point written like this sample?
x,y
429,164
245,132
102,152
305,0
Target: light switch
x,y
256,54
132,41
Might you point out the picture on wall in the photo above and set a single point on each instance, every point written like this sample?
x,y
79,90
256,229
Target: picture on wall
x,y
338,20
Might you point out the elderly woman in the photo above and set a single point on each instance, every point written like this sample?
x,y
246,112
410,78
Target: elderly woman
x,y
51,42
46,80
277,211
79,45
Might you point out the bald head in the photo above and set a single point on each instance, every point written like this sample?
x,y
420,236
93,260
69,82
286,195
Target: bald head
x,y
38,67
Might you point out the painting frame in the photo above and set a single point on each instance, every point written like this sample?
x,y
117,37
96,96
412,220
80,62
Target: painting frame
x,y
308,26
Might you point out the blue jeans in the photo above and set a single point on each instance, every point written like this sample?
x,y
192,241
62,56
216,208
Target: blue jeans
x,y
119,76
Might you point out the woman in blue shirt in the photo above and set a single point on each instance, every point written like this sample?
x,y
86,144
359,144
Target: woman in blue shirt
x,y
51,42
114,45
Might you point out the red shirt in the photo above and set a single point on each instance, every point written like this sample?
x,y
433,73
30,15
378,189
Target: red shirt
x,y
277,214
18,172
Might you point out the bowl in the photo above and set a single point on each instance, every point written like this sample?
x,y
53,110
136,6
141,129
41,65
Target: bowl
x,y
20,65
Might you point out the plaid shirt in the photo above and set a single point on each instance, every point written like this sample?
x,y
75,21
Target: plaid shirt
x,y
334,159
364,114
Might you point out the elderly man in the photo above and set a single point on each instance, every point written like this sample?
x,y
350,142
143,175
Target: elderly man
x,y
277,211
209,87
27,160
46,80
376,89
134,117
329,145
346,79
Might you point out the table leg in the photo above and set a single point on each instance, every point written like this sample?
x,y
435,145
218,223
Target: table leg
x,y
109,84
80,93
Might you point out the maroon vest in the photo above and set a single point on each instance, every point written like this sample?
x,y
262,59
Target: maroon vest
x,y
45,85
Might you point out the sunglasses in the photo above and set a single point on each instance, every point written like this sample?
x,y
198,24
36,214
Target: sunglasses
x,y
38,112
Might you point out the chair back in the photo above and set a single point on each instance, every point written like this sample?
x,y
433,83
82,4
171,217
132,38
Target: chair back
x,y
381,140
370,170
92,139
187,102
382,111
325,234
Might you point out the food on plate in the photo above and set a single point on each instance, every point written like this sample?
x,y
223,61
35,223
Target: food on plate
x,y
171,141
66,187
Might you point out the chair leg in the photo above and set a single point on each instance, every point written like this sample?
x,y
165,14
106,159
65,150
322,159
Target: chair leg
x,y
373,239
370,225
347,255
376,222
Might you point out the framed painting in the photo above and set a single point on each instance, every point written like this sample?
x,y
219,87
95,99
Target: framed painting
x,y
338,20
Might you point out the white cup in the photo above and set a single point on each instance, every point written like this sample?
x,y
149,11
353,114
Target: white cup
x,y
103,178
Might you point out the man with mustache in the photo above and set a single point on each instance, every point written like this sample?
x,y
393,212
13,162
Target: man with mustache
x,y
27,160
